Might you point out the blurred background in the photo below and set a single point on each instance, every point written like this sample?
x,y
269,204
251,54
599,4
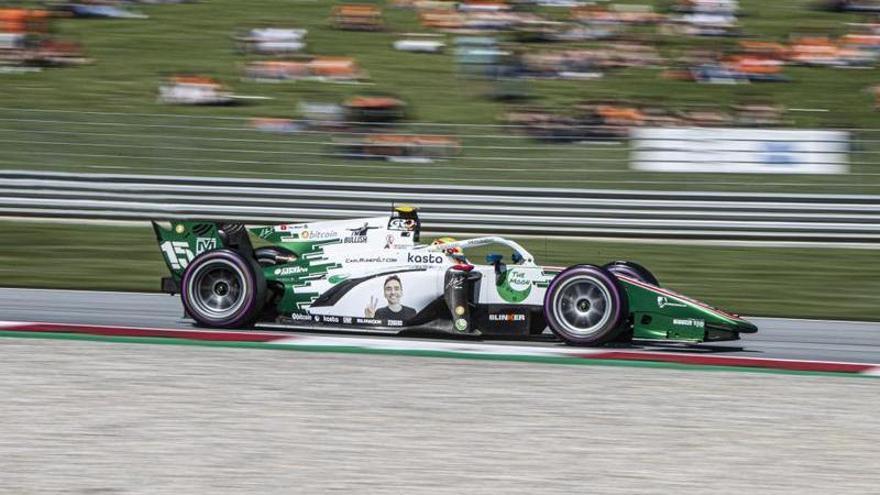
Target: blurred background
x,y
731,146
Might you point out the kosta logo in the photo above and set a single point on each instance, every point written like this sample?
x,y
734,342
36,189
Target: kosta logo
x,y
290,270
424,259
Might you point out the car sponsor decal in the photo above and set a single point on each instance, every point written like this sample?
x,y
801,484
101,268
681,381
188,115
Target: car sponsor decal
x,y
393,307
404,224
290,270
507,317
205,244
689,322
317,235
371,259
515,287
424,259
664,301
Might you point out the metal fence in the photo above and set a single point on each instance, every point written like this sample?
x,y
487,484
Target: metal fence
x,y
491,154
835,220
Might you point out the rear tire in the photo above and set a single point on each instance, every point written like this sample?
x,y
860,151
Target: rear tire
x,y
222,289
632,270
585,305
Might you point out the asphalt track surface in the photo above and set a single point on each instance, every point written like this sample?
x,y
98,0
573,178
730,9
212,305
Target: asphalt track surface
x,y
777,338
91,417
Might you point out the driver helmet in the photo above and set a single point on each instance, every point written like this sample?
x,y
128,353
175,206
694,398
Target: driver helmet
x,y
454,252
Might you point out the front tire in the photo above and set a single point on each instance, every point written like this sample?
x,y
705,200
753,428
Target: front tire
x,y
222,289
585,305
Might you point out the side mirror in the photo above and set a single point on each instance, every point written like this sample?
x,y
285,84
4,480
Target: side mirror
x,y
516,258
494,258
500,267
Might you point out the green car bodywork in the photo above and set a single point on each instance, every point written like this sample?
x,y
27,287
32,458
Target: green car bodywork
x,y
660,314
655,313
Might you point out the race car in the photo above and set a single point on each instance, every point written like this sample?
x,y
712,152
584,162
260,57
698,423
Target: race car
x,y
373,274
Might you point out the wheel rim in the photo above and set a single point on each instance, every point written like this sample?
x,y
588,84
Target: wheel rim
x,y
218,289
584,306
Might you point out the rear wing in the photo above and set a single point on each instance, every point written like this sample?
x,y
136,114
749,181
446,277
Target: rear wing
x,y
184,240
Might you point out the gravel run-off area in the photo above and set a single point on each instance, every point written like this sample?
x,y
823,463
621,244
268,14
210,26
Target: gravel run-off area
x,y
119,418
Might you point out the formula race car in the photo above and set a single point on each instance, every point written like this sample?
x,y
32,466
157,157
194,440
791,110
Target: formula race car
x,y
372,274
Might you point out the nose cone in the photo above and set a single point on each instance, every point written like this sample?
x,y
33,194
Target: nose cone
x,y
743,326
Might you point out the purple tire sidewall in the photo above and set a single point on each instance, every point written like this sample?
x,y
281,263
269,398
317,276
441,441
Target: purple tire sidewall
x,y
244,312
591,270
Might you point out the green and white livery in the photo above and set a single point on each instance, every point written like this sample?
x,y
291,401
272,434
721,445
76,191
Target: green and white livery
x,y
374,274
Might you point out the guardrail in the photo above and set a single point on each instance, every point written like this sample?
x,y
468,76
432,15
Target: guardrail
x,y
718,216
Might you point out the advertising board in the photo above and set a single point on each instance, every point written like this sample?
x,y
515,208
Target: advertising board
x,y
739,151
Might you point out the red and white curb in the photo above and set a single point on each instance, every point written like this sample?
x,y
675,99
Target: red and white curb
x,y
463,349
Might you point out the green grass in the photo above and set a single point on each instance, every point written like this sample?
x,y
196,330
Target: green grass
x,y
132,57
792,282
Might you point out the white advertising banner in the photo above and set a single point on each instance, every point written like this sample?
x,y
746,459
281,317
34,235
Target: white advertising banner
x,y
739,151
